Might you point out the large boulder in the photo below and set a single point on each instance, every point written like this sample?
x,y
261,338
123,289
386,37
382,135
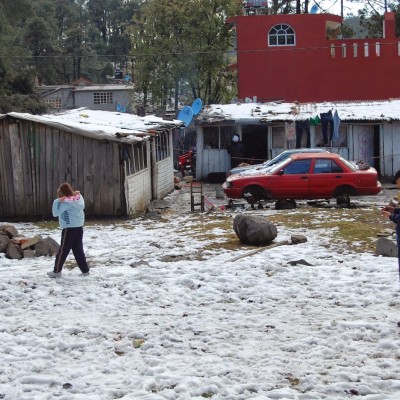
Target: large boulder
x,y
14,251
46,247
4,242
9,230
254,229
386,247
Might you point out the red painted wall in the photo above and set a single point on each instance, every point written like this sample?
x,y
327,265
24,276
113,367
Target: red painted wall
x,y
307,72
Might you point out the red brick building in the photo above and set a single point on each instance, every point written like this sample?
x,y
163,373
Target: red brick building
x,y
302,57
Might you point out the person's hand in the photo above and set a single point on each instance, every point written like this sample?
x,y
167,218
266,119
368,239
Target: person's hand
x,y
386,213
62,199
389,209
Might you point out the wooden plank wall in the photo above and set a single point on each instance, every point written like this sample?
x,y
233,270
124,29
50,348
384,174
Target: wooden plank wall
x,y
35,159
7,186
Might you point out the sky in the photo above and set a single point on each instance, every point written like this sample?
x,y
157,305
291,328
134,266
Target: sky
x,y
334,6
168,314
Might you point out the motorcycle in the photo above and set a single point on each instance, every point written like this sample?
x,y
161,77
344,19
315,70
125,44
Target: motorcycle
x,y
186,163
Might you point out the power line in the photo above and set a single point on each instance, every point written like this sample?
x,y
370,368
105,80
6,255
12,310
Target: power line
x,y
226,52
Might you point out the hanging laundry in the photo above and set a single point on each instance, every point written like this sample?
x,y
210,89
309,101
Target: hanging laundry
x,y
290,135
314,121
336,126
327,119
300,126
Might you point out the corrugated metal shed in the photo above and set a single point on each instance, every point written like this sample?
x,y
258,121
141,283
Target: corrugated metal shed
x,y
102,124
268,112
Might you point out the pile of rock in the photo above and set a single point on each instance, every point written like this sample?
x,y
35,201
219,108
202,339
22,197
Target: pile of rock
x,y
17,246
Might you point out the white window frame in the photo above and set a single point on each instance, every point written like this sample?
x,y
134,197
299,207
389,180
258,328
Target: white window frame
x,y
136,157
54,103
279,32
103,97
162,143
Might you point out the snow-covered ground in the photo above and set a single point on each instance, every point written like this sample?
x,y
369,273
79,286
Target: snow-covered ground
x,y
165,315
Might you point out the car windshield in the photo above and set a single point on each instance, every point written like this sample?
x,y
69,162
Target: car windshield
x,y
280,165
285,154
351,165
277,159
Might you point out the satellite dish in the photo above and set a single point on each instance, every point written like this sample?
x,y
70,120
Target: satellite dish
x,y
196,106
314,9
186,115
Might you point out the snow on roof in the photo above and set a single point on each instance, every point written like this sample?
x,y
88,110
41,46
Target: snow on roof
x,y
110,87
275,111
103,124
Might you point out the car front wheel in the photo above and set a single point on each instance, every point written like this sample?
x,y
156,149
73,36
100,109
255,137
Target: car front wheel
x,y
253,194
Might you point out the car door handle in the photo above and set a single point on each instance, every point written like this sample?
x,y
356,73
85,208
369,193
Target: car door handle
x,y
338,176
304,178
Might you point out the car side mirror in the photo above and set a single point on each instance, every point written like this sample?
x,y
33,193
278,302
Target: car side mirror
x,y
281,172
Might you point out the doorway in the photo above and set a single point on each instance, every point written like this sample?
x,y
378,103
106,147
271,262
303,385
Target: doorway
x,y
255,140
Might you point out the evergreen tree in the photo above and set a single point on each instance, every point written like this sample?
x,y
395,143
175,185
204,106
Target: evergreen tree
x,y
371,19
16,75
180,50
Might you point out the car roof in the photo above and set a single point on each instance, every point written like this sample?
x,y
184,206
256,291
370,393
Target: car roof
x,y
297,156
306,150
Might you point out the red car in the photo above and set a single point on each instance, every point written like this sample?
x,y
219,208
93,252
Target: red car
x,y
305,176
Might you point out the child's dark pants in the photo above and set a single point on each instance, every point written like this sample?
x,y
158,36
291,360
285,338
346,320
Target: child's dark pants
x,y
71,239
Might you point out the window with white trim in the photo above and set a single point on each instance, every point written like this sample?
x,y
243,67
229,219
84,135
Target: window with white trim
x,y
53,103
134,156
281,35
103,97
163,149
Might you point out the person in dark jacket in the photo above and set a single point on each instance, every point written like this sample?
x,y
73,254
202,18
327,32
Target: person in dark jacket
x,y
392,211
237,151
68,207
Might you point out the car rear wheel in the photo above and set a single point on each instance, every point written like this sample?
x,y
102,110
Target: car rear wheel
x,y
342,195
253,194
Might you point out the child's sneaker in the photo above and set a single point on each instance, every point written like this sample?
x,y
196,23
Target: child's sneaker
x,y
53,274
85,273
